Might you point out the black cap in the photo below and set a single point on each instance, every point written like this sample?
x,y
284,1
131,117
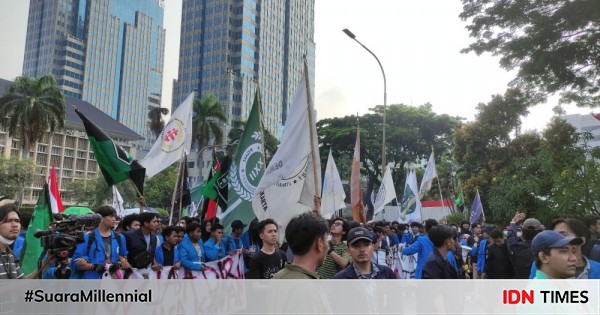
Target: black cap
x,y
237,224
357,234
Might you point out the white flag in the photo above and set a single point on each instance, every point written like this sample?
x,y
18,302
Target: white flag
x,y
175,138
287,187
411,204
333,195
117,201
386,192
429,176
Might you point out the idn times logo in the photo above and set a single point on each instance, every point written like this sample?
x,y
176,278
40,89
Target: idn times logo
x,y
544,296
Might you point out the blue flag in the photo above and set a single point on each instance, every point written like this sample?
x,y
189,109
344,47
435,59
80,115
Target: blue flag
x,y
476,210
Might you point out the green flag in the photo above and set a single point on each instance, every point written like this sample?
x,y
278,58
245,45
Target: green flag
x,y
41,219
246,169
115,164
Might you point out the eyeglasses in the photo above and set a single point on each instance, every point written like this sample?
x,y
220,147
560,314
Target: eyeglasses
x,y
336,223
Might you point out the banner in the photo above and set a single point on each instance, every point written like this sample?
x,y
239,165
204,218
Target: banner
x,y
333,195
428,177
387,191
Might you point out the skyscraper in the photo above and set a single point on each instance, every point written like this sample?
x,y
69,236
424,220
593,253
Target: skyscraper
x,y
230,48
107,52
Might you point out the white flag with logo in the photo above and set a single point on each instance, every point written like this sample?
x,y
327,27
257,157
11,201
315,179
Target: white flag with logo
x,y
333,195
411,203
288,186
117,202
386,192
175,138
429,176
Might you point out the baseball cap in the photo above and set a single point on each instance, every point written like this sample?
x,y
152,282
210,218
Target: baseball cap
x,y
531,224
357,234
552,239
237,224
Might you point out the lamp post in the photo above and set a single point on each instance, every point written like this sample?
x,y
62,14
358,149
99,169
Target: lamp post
x,y
383,152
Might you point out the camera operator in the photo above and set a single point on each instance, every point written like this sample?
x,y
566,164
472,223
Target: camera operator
x,y
10,226
105,247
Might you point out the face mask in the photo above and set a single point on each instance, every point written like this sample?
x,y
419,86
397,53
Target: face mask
x,y
519,233
5,241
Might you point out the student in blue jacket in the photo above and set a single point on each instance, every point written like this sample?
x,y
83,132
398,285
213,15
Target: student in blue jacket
x,y
90,257
421,246
191,248
168,254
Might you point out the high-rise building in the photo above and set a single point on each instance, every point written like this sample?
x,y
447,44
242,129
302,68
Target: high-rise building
x,y
106,52
231,48
585,123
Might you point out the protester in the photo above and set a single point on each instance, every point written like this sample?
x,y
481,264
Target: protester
x,y
191,248
17,246
269,260
206,230
10,226
168,254
234,240
142,243
337,257
437,265
214,247
131,222
361,247
555,255
519,244
422,246
497,259
306,235
251,242
585,268
382,253
100,247
413,234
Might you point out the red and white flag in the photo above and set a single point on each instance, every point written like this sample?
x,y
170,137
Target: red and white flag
x,y
55,201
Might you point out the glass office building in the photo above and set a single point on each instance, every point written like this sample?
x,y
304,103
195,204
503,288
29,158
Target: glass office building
x,y
231,48
106,52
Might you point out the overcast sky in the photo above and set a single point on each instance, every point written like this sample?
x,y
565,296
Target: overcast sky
x,y
417,42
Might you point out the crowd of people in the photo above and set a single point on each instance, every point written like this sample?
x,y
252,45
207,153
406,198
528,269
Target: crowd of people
x,y
316,248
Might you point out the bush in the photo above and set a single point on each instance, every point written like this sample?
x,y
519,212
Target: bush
x,y
453,218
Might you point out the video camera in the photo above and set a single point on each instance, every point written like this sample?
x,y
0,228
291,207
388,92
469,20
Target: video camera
x,y
62,237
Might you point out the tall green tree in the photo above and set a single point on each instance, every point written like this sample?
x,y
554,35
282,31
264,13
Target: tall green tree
x,y
30,108
14,175
159,189
207,118
157,122
553,44
95,192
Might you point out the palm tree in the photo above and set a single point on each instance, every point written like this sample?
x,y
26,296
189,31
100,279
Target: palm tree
x,y
30,108
207,114
157,123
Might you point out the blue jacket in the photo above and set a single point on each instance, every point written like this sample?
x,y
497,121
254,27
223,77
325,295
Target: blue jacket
x,y
160,258
423,247
594,272
214,251
96,254
408,238
230,243
189,255
438,268
18,246
481,256
394,240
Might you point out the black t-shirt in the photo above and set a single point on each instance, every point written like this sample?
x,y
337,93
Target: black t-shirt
x,y
168,255
264,266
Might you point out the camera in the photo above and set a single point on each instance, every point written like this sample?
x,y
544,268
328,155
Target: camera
x,y
61,239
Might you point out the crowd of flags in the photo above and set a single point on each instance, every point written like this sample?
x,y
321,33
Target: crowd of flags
x,y
243,186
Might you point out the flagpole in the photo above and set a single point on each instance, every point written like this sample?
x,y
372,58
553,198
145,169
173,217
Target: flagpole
x,y
181,172
141,200
175,190
311,123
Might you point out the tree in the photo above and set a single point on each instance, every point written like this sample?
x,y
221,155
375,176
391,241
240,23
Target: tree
x,y
158,190
14,175
30,108
157,123
207,118
411,132
552,43
95,192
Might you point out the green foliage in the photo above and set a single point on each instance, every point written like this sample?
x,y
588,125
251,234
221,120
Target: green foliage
x,y
95,192
453,218
14,175
207,117
411,132
158,190
30,108
552,43
235,134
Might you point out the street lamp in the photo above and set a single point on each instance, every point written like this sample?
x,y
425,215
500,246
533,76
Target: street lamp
x,y
383,152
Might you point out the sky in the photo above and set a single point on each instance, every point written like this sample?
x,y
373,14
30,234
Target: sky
x,y
417,42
